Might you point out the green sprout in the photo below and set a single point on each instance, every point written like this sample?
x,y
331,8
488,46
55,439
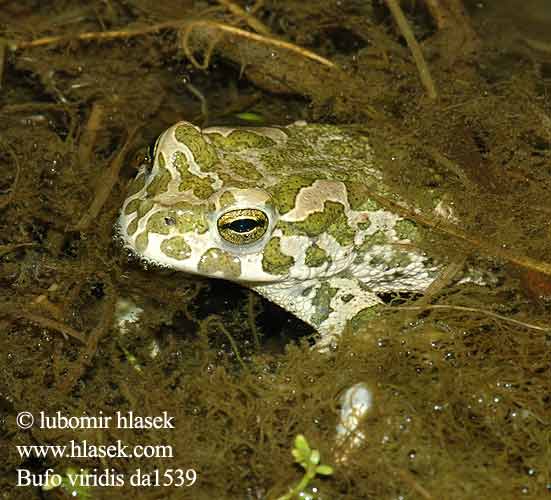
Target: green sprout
x,y
71,483
132,360
309,460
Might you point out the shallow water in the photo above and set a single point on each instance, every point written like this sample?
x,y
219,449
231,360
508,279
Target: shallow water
x,y
461,394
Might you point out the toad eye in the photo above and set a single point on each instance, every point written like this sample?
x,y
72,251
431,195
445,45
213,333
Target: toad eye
x,y
242,226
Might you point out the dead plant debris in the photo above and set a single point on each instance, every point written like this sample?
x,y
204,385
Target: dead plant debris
x,y
462,377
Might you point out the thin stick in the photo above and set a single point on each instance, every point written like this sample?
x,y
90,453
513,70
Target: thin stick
x,y
96,35
443,226
36,106
178,24
88,137
422,67
51,324
202,99
3,47
7,199
442,280
105,184
253,23
485,312
439,15
6,249
408,478
251,36
87,354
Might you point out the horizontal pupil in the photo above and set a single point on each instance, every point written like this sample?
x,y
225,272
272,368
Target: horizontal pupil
x,y
243,225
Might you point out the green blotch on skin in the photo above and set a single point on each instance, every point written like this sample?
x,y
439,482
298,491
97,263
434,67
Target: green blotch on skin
x,y
145,206
362,319
406,230
181,164
244,169
377,238
142,240
399,259
379,261
332,220
189,217
274,261
132,227
203,152
358,198
371,205
362,226
230,181
184,217
200,186
285,160
227,199
322,303
316,256
215,260
160,183
136,185
285,193
176,248
240,140
156,223
132,206
161,158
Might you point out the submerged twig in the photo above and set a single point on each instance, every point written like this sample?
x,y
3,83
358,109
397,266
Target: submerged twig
x,y
98,332
6,200
442,14
410,480
422,67
105,183
252,21
444,278
540,45
449,14
3,47
6,249
266,40
441,225
88,137
36,107
184,24
44,322
95,35
68,381
485,312
202,99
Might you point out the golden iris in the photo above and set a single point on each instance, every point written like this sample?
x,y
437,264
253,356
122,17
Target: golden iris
x,y
242,226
